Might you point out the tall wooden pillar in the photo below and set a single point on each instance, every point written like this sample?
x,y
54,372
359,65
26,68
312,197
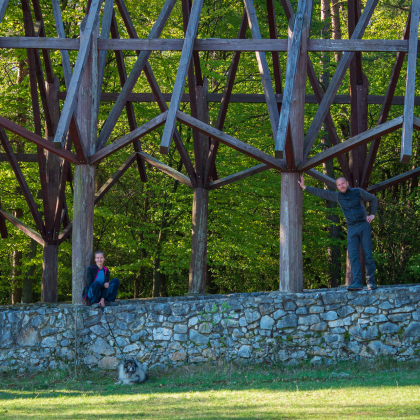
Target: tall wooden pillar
x,y
84,175
198,263
291,261
52,169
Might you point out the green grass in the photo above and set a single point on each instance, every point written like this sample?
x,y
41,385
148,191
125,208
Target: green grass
x,y
380,390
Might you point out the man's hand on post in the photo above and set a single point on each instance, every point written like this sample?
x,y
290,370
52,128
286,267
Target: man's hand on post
x,y
370,218
302,182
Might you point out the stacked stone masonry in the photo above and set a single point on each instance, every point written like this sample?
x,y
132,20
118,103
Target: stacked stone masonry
x,y
316,326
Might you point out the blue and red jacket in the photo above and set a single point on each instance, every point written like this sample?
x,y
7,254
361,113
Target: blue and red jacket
x,y
92,274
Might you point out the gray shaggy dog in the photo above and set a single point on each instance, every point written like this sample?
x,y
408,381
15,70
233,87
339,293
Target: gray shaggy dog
x,y
130,373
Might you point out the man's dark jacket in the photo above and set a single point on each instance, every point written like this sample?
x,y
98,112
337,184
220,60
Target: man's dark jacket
x,y
351,202
92,272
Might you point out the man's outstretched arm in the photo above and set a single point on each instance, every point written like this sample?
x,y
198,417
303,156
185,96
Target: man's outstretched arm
x,y
325,194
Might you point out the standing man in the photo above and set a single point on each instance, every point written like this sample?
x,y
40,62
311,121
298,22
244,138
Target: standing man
x,y
359,230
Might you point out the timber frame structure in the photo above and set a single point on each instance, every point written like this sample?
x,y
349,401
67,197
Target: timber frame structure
x,y
71,134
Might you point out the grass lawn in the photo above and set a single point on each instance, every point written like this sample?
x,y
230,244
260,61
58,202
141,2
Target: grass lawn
x,y
380,390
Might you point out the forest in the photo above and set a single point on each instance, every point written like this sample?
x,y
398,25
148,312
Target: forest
x,y
144,228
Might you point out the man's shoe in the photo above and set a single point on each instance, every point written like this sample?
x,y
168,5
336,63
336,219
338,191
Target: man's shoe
x,y
371,285
354,287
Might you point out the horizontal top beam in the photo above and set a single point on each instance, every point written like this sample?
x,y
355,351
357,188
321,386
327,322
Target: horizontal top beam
x,y
262,45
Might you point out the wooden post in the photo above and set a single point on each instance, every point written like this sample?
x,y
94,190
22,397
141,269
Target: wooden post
x,y
84,175
291,261
200,214
52,170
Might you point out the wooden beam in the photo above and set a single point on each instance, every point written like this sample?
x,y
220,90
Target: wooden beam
x,y
3,7
388,100
3,228
38,140
22,226
129,105
238,176
407,131
128,138
251,45
263,68
105,30
115,177
166,169
65,60
210,170
253,98
351,143
394,180
70,103
416,123
319,176
337,79
291,72
232,142
20,157
181,75
67,231
22,182
132,78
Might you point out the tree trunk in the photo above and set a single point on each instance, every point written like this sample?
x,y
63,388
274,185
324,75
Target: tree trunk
x,y
16,283
28,280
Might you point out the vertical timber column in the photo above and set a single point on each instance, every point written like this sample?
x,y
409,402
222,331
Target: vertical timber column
x,y
200,210
291,261
84,175
50,252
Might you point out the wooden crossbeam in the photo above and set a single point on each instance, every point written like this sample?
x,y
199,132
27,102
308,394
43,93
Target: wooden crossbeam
x,y
394,180
224,104
166,169
388,100
22,182
66,232
291,72
238,176
129,138
115,177
251,45
181,75
230,141
253,98
319,176
263,68
337,79
76,80
38,140
129,105
3,7
407,131
416,123
22,226
20,157
132,78
351,143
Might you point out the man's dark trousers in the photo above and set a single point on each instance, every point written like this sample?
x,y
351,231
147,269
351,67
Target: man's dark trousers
x,y
360,233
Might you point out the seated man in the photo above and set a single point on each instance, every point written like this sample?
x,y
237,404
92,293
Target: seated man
x,y
98,288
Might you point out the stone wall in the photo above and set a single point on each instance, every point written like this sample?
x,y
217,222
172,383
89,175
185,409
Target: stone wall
x,y
317,326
